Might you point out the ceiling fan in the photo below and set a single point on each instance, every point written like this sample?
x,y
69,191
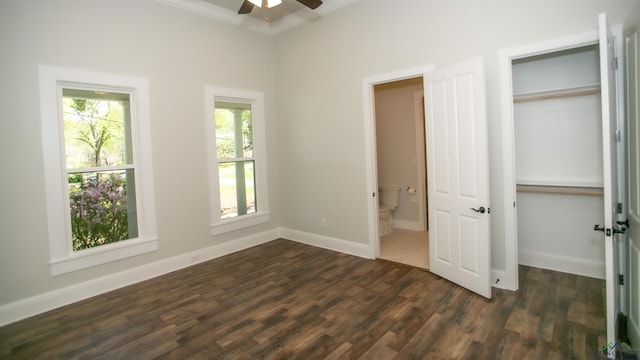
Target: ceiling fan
x,y
248,5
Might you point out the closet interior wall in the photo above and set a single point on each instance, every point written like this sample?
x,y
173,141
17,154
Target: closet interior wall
x,y
558,161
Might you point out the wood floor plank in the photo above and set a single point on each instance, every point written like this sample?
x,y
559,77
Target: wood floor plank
x,y
286,300
380,350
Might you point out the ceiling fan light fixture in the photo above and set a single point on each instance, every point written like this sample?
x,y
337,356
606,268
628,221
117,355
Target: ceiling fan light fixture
x,y
248,5
270,3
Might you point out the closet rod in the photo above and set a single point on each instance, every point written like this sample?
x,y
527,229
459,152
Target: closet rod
x,y
547,189
554,94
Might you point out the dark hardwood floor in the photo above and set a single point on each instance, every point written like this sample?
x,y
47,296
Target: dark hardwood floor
x,y
285,300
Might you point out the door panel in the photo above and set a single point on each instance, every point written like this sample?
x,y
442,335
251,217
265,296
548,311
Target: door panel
x,y
469,237
442,237
633,157
609,147
438,110
458,175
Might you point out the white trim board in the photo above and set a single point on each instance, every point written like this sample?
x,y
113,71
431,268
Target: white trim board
x,y
34,305
567,264
497,277
505,59
209,10
326,242
368,96
407,225
41,303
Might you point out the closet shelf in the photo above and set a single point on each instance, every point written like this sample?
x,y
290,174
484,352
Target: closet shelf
x,y
558,93
552,189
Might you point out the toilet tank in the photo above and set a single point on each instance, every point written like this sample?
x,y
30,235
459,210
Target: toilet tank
x,y
390,195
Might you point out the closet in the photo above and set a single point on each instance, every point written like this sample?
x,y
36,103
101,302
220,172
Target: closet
x,y
558,160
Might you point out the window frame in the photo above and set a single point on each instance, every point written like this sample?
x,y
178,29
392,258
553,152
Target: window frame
x,y
256,100
62,257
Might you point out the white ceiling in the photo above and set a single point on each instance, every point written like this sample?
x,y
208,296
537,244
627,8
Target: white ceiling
x,y
269,21
271,15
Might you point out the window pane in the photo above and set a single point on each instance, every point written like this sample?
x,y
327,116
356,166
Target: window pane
x,y
102,208
237,189
96,128
234,136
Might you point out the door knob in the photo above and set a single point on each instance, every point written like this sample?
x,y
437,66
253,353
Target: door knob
x,y
480,210
607,231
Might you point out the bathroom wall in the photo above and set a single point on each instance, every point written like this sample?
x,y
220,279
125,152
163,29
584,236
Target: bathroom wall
x,y
396,139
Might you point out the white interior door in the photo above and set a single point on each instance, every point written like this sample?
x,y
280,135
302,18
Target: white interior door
x,y
458,175
609,147
633,158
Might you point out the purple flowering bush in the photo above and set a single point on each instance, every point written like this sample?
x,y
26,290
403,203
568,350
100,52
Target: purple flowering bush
x,y
98,211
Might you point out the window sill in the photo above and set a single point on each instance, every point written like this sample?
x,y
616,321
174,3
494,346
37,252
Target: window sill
x,y
102,255
238,223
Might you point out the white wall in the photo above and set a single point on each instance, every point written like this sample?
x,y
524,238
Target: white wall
x,y
321,65
555,231
396,147
179,53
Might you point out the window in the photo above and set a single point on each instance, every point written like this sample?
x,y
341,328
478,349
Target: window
x,y
95,134
235,125
99,167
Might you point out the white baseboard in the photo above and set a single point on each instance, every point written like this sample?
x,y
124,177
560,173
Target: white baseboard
x,y
44,302
633,332
498,279
22,309
571,265
329,243
407,225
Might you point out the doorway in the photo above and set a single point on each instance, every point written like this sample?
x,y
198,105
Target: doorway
x,y
610,186
510,205
401,164
457,170
559,160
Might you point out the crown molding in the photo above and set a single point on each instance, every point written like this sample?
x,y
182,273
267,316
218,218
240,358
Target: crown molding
x,y
250,23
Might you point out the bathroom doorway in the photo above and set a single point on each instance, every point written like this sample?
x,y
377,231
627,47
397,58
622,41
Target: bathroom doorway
x,y
401,162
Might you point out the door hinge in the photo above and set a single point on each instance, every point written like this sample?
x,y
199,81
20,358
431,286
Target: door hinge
x,y
620,279
619,208
625,223
374,194
618,136
614,63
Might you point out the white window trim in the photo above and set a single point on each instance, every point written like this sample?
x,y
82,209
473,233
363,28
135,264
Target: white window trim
x,y
62,257
256,99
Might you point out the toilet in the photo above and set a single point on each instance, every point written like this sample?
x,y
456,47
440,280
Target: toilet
x,y
388,199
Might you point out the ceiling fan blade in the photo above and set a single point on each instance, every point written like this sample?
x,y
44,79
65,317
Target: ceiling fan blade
x,y
312,4
246,7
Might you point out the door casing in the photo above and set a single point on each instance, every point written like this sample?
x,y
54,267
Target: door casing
x,y
506,57
368,96
509,180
